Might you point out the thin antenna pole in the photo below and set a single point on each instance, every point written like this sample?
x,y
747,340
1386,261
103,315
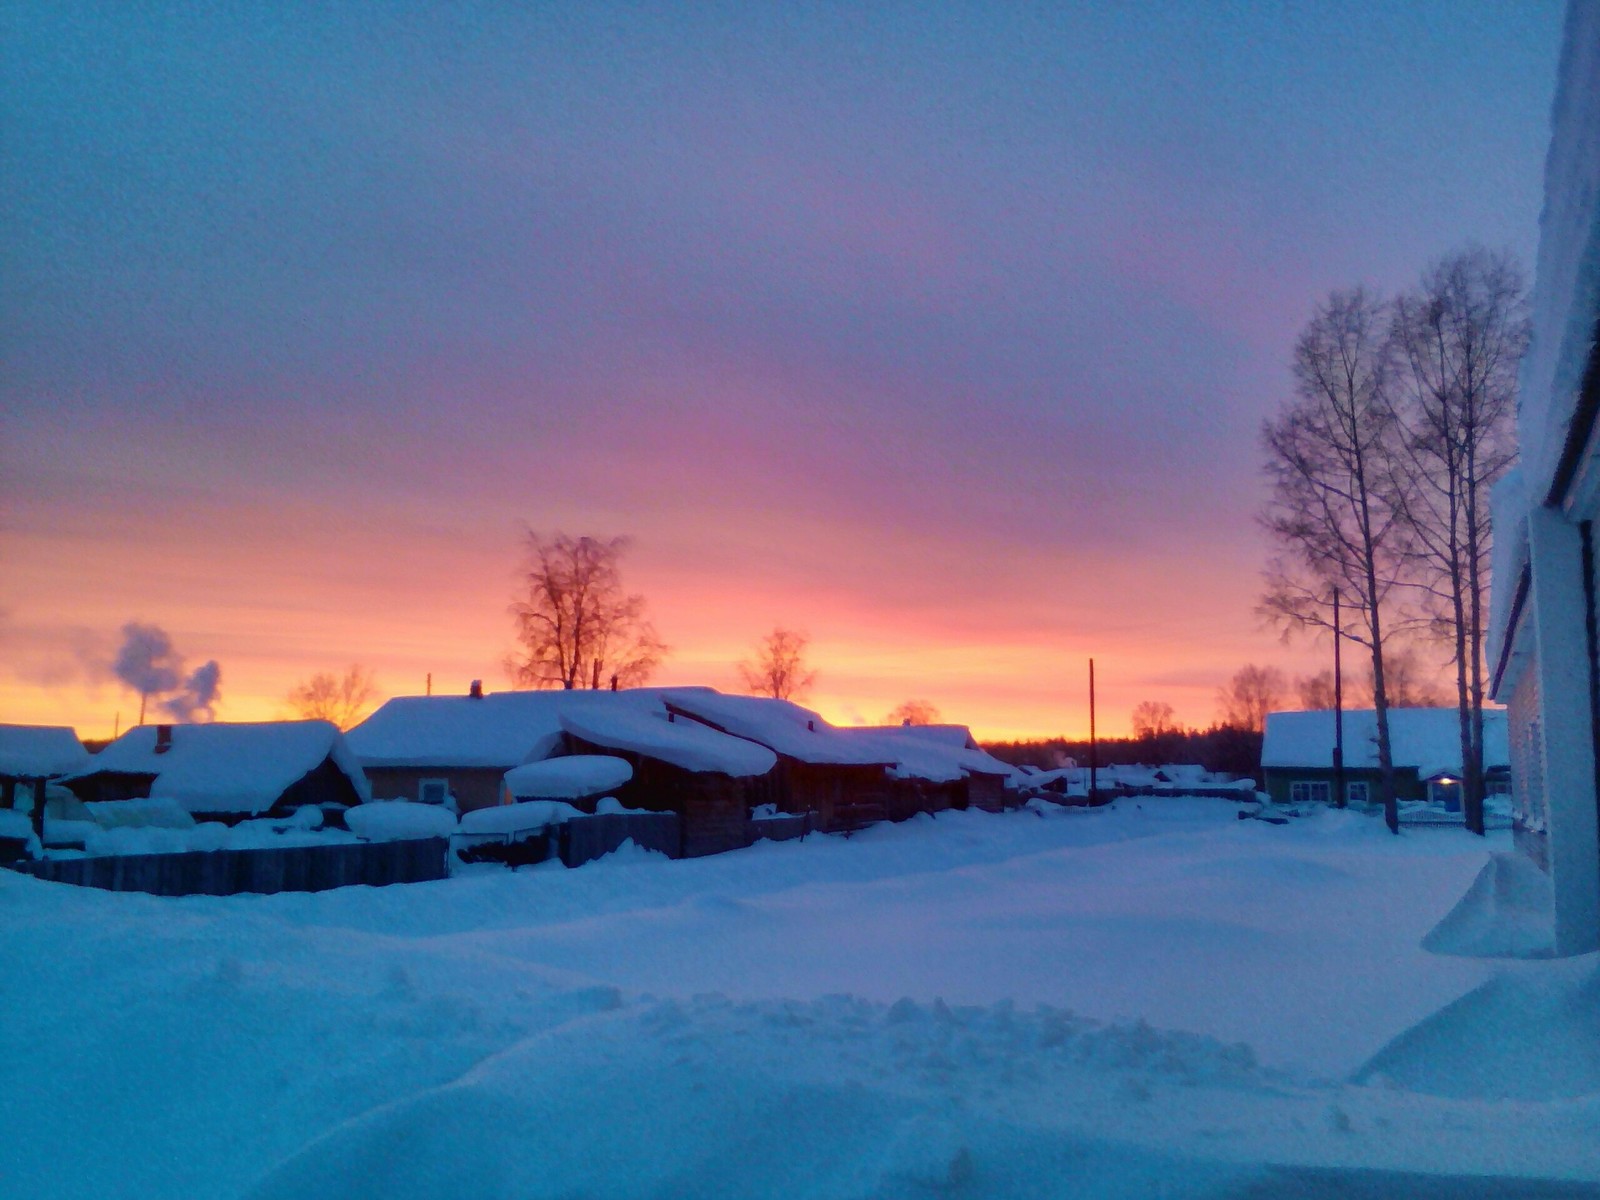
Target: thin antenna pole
x,y
1094,745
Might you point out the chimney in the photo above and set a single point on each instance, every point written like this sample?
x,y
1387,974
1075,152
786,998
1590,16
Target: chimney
x,y
476,691
163,738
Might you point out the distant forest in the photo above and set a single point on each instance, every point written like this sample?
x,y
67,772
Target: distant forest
x,y
1222,748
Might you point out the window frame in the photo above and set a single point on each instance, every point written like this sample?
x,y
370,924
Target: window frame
x,y
1310,791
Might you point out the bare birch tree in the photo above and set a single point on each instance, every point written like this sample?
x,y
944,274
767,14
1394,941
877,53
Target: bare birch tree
x,y
1330,462
1249,696
1459,339
342,699
779,669
576,626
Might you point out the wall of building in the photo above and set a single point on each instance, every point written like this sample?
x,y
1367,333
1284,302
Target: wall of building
x,y
473,787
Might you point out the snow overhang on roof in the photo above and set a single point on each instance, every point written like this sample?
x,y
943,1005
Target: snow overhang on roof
x,y
683,743
575,777
929,752
779,725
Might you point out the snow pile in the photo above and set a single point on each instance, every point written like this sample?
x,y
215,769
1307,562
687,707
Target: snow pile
x,y
39,751
213,835
17,827
1517,1037
134,814
397,820
522,817
576,777
1145,999
683,743
1508,912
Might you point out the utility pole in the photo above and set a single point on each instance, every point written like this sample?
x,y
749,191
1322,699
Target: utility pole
x,y
1338,708
1094,746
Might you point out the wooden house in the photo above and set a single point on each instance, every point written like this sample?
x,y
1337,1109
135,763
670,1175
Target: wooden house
x,y
678,765
937,767
456,750
227,771
1425,747
842,780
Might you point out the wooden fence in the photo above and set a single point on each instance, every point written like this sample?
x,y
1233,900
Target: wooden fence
x,y
229,872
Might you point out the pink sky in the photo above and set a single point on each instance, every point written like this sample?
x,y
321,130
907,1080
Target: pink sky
x,y
943,336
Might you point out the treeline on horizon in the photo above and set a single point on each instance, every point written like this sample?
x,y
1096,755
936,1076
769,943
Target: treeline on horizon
x,y
1222,748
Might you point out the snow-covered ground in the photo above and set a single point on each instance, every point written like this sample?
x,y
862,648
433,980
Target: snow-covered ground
x,y
1153,999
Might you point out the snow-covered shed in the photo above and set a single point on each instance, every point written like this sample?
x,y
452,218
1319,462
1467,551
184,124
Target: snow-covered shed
x,y
30,756
1544,662
227,771
1424,743
820,769
678,765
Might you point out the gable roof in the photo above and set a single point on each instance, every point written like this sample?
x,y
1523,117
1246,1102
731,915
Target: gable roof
x,y
40,751
500,731
234,767
1426,739
780,725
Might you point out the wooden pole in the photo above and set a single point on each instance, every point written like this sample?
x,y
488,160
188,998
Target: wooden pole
x,y
1094,745
1338,708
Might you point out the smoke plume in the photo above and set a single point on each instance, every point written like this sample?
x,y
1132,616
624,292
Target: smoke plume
x,y
198,699
147,662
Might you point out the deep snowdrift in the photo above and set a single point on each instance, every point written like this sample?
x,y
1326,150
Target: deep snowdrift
x,y
1151,999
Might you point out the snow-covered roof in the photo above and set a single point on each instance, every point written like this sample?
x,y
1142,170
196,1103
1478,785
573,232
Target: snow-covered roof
x,y
233,767
683,743
37,751
780,725
1427,739
574,777
936,753
497,731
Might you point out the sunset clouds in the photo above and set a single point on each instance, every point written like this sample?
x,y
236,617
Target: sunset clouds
x,y
940,334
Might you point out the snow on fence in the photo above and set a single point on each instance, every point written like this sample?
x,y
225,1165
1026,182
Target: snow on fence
x,y
584,839
228,872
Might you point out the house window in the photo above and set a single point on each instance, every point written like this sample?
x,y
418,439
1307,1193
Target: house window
x,y
1357,792
433,791
1303,791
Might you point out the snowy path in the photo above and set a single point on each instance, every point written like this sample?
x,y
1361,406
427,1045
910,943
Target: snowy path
x,y
1156,997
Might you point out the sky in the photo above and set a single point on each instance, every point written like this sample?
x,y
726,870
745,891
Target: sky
x,y
941,333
